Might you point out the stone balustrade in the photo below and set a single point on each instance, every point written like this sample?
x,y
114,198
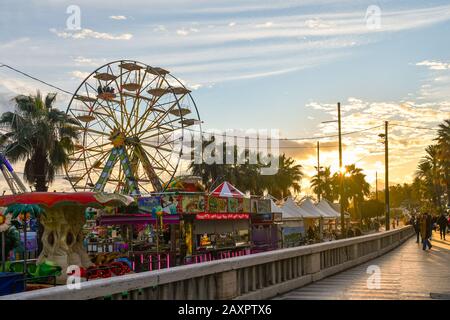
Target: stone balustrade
x,y
257,276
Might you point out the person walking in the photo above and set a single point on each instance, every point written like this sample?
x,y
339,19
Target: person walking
x,y
442,222
416,226
425,230
431,226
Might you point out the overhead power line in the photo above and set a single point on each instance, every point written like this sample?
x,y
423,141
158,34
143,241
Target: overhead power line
x,y
413,127
34,78
226,135
293,139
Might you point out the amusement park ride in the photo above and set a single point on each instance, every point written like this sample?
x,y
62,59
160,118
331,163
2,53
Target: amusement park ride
x,y
12,179
133,120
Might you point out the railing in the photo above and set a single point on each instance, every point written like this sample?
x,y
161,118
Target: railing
x,y
256,276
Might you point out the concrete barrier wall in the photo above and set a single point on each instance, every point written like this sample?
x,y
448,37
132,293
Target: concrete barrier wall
x,y
257,276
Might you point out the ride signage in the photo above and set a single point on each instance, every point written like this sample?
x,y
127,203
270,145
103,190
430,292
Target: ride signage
x,y
222,216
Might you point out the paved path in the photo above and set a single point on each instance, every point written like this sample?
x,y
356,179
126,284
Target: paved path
x,y
407,272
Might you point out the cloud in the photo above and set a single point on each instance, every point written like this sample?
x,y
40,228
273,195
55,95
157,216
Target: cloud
x,y
317,24
14,43
303,150
10,87
90,62
160,28
79,74
195,86
118,17
88,33
186,31
434,65
407,138
268,24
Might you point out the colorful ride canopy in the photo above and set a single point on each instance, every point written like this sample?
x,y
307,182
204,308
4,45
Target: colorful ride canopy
x,y
227,190
54,199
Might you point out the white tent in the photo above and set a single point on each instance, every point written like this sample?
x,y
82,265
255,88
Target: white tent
x,y
310,209
274,207
331,209
291,211
327,210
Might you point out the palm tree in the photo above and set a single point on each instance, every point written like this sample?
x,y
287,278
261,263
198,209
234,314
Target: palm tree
x,y
357,186
40,135
246,176
443,140
324,184
212,172
428,170
287,178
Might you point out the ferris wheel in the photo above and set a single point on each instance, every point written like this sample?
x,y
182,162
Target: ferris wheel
x,y
133,119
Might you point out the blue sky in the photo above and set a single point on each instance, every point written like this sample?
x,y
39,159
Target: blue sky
x,y
257,64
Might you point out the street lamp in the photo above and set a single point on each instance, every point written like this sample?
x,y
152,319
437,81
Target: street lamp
x,y
385,138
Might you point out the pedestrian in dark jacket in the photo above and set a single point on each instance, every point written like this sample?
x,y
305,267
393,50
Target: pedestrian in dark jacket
x,y
425,231
442,222
416,224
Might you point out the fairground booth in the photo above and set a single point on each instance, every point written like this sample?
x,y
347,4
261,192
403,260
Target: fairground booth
x,y
266,216
331,217
220,231
293,228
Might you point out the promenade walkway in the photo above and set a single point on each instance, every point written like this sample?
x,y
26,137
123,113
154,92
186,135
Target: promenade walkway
x,y
406,272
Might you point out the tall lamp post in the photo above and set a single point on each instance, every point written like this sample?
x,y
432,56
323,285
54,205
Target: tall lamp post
x,y
386,174
341,184
319,187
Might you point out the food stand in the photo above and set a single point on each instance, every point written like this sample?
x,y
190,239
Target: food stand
x,y
222,230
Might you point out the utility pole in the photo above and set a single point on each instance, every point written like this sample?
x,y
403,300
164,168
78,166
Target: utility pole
x,y
386,172
341,184
376,185
376,195
319,187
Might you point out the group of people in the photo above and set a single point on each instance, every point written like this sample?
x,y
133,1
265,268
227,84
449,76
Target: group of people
x,y
101,90
425,224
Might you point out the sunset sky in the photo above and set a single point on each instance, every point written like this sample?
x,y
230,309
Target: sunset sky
x,y
258,64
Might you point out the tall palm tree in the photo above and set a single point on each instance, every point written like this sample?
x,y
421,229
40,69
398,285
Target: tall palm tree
x,y
324,184
40,135
287,178
443,140
357,186
247,177
429,171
